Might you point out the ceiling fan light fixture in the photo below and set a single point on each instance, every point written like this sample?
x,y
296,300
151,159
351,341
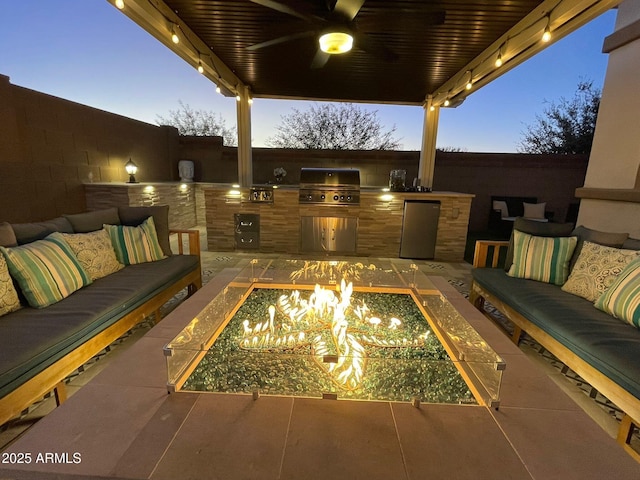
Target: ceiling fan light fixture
x,y
335,43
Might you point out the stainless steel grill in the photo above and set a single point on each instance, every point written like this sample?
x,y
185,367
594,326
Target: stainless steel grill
x,y
330,186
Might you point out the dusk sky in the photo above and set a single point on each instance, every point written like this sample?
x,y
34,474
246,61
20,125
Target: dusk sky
x,y
89,52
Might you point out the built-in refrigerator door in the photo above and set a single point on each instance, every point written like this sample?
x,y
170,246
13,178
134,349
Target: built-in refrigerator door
x,y
419,229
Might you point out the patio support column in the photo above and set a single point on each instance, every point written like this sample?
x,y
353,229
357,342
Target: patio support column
x,y
428,151
245,161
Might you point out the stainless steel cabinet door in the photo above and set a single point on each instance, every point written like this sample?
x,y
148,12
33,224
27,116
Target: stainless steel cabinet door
x,y
328,234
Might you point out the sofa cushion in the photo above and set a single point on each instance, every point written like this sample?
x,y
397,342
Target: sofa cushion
x,y
545,259
596,270
622,299
37,340
539,229
7,235
135,244
9,301
30,232
604,342
91,221
46,270
94,252
631,244
134,216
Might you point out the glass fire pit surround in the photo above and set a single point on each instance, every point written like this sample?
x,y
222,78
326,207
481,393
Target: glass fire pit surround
x,y
334,329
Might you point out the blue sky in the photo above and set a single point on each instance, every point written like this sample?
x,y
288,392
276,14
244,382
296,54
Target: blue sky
x,y
89,52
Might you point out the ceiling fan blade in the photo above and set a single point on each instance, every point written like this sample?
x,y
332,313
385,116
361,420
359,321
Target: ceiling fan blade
x,y
320,59
372,47
283,39
284,8
348,8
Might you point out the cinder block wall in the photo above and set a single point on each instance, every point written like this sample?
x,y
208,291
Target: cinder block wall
x,y
49,147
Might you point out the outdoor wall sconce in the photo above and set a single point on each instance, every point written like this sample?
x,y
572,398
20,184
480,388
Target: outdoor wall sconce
x,y
131,169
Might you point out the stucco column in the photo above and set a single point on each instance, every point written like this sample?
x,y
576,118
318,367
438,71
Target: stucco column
x,y
428,151
245,161
611,193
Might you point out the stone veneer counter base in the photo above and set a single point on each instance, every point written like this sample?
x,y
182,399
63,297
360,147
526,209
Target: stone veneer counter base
x,y
379,220
123,424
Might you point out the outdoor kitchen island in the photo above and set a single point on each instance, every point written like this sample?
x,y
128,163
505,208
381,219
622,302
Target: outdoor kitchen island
x,y
378,218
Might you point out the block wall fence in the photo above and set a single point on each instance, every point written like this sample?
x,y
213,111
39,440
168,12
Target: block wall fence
x,y
51,147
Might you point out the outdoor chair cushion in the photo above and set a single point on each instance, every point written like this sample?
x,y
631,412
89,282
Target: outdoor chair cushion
x,y
604,342
38,338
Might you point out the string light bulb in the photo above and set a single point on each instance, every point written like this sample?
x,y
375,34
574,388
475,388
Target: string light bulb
x,y
238,97
200,67
469,84
447,103
174,36
218,90
499,60
432,108
546,36
250,101
120,4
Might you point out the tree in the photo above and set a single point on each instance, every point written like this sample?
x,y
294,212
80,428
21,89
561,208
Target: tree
x,y
200,123
567,126
342,126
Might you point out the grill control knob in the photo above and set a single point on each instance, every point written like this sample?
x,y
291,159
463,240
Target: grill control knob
x,y
322,197
348,198
309,197
335,197
342,197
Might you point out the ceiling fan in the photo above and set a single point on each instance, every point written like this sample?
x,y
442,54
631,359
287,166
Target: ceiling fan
x,y
336,30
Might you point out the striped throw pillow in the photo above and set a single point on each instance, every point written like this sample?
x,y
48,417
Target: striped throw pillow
x,y
46,270
622,299
545,259
135,244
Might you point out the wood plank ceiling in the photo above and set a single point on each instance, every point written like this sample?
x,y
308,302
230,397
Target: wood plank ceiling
x,y
427,55
405,51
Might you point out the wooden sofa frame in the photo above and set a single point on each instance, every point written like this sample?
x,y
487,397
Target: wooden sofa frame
x,y
52,378
486,254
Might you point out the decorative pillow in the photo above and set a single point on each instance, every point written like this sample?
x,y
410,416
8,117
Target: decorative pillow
x,y
596,269
545,259
46,270
135,244
622,300
534,210
133,216
9,301
94,252
539,229
502,206
608,239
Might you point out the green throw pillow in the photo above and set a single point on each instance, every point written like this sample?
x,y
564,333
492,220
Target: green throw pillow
x,y
545,259
622,299
135,244
46,270
9,301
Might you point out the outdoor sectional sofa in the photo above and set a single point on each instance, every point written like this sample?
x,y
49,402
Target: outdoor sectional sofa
x,y
602,349
39,347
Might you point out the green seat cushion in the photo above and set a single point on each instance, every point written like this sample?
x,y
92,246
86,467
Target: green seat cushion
x,y
34,339
604,342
